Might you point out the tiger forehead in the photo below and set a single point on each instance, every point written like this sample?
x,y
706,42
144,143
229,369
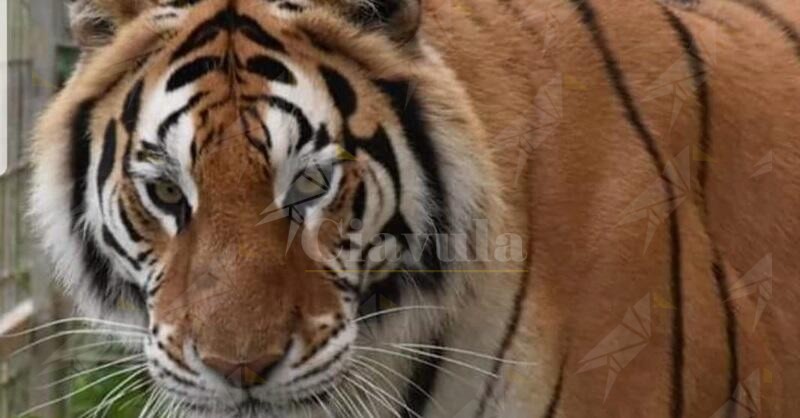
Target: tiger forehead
x,y
243,27
231,59
243,74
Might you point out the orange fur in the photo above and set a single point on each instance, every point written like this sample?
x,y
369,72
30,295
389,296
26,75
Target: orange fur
x,y
564,168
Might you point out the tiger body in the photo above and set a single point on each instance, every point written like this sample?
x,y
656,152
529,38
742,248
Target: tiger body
x,y
640,154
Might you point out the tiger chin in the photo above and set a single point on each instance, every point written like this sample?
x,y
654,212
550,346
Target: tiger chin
x,y
395,208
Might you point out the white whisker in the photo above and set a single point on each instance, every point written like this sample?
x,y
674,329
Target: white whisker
x,y
466,352
74,350
92,370
77,332
136,397
395,310
449,360
81,390
133,388
382,392
338,400
154,393
370,412
107,401
352,407
369,368
73,320
374,396
417,360
405,379
324,408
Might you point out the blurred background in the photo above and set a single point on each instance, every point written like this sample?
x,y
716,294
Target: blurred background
x,y
40,58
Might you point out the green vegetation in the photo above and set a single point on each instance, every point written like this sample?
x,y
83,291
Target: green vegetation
x,y
126,407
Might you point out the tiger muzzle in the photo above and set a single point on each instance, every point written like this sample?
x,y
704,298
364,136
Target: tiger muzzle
x,y
238,296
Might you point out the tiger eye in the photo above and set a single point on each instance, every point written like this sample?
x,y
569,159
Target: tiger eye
x,y
150,156
311,183
168,193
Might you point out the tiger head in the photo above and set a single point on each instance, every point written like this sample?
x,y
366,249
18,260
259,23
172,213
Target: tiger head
x,y
244,179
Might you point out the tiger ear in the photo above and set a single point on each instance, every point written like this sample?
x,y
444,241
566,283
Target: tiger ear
x,y
400,19
94,22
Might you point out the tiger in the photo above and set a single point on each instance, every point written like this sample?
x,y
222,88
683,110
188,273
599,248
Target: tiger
x,y
430,209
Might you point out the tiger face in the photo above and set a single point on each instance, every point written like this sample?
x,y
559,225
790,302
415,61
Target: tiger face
x,y
244,178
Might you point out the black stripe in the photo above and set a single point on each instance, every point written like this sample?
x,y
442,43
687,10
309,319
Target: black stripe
x,y
634,117
555,399
398,227
164,372
182,3
81,139
154,290
257,143
112,242
135,294
360,202
173,118
411,114
107,158
730,326
322,138
306,132
379,147
95,264
98,269
253,31
267,135
126,222
344,97
226,20
270,69
781,22
511,329
179,362
158,149
698,70
291,7
322,368
144,256
202,35
192,71
193,150
348,245
132,106
424,376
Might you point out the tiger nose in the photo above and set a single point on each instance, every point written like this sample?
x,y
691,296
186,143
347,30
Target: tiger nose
x,y
243,374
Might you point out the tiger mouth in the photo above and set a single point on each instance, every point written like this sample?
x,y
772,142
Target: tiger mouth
x,y
277,404
252,406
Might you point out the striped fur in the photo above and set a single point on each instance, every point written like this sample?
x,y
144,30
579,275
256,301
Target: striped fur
x,y
254,180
